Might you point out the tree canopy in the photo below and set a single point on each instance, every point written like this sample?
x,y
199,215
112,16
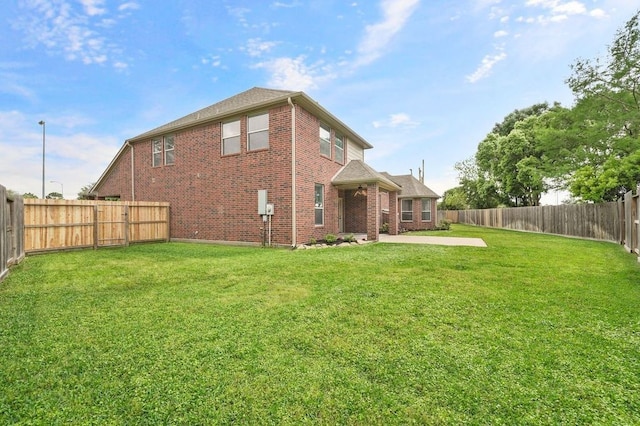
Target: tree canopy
x,y
591,149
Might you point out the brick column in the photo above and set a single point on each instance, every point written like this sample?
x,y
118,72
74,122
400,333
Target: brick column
x,y
393,213
373,212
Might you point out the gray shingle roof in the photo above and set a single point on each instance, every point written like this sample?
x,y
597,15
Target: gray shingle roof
x,y
411,187
357,172
255,96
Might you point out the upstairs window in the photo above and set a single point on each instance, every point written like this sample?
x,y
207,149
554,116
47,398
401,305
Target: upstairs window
x,y
157,152
258,132
325,140
231,137
339,142
319,204
406,214
169,157
426,209
163,151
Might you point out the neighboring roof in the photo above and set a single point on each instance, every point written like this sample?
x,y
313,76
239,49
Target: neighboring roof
x,y
356,173
411,187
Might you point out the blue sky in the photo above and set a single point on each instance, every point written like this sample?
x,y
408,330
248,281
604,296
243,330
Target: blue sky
x,y
420,80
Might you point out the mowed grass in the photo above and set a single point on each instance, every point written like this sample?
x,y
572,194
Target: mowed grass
x,y
533,329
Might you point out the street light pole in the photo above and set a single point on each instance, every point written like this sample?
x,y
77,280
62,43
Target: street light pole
x,y
61,187
41,122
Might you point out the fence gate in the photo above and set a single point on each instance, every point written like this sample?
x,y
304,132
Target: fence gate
x,y
65,224
112,225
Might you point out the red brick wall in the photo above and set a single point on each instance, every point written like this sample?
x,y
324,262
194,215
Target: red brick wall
x,y
417,224
215,197
355,214
314,168
118,182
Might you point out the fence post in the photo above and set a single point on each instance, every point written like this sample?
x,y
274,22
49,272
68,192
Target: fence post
x,y
95,226
126,225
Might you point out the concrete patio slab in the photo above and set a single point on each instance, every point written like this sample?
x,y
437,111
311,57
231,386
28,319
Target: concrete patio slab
x,y
443,241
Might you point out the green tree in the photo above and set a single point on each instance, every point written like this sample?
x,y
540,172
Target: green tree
x,y
607,115
454,199
508,163
54,196
84,192
479,190
29,195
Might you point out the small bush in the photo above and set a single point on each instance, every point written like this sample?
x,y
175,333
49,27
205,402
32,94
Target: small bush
x,y
349,238
384,228
443,225
330,238
312,241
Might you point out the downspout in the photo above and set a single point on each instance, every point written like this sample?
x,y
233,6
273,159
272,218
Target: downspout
x,y
133,179
294,226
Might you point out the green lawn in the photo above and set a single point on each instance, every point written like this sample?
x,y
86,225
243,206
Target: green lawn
x,y
533,329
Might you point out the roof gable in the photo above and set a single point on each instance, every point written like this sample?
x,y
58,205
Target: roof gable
x,y
242,101
411,187
356,172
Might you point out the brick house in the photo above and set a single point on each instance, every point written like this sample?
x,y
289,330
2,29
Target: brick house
x,y
263,165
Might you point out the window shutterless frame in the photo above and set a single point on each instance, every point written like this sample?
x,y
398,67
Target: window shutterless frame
x,y
319,204
325,140
426,209
258,132
406,210
231,137
156,152
169,150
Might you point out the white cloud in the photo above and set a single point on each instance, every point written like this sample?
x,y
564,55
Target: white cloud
x,y
68,30
396,120
501,33
239,14
73,158
93,7
598,13
256,47
292,73
377,36
285,5
559,11
487,64
128,6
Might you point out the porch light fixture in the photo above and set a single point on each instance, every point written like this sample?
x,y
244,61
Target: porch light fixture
x,y
360,191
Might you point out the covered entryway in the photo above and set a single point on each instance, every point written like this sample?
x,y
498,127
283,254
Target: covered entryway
x,y
360,185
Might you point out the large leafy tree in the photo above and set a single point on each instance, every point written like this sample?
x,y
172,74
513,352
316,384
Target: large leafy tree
x,y
454,199
603,130
84,192
506,169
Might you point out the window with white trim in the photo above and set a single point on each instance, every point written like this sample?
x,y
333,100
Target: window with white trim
x,y
258,132
325,140
156,152
169,150
231,137
426,209
339,143
319,204
406,213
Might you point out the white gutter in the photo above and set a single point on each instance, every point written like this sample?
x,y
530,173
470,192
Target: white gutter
x,y
133,179
294,239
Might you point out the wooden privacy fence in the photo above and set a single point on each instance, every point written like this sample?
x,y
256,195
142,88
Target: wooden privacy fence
x,y
631,233
596,221
614,221
11,231
66,224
